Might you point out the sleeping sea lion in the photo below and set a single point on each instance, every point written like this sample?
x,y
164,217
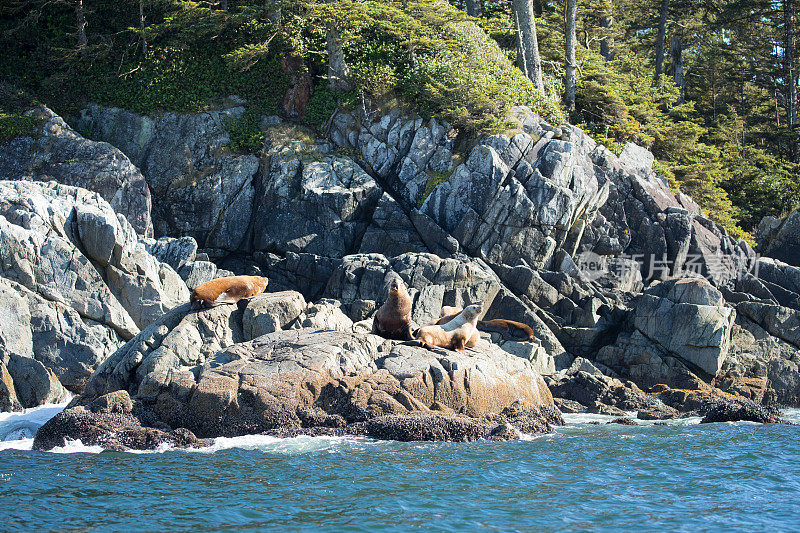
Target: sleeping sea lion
x,y
509,329
393,319
226,290
456,334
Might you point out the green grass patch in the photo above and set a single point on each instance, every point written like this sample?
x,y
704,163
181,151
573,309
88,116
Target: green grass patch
x,y
434,179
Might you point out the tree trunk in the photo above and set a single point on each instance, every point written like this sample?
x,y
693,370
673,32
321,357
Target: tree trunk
x,y
474,8
223,5
791,73
528,59
607,44
569,77
676,51
662,31
81,27
141,26
338,72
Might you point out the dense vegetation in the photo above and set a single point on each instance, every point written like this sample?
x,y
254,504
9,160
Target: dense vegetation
x,y
721,118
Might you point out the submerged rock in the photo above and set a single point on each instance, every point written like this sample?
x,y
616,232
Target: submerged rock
x,y
625,421
436,428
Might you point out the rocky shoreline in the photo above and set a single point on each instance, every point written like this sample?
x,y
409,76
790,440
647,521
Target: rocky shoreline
x,y
639,303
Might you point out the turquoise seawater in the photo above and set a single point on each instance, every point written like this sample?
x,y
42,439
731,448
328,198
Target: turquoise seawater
x,y
681,477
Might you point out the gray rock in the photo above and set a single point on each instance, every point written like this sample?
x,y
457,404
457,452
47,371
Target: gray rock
x,y
637,159
325,315
60,154
270,312
265,383
196,273
780,239
174,252
588,389
688,319
75,282
199,189
314,203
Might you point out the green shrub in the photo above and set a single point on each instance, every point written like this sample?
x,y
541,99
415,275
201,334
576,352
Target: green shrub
x,y
16,126
245,132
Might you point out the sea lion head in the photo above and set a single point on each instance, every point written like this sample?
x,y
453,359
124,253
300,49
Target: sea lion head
x,y
471,312
397,288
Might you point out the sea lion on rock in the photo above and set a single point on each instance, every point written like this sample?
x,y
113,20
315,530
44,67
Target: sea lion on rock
x,y
509,329
393,319
457,333
226,290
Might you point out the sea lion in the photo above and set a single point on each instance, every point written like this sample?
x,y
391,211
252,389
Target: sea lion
x,y
393,319
509,329
456,334
226,290
448,314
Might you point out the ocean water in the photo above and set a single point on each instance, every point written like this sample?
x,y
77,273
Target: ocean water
x,y
681,477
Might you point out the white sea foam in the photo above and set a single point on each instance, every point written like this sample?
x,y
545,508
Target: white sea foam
x,y
76,446
581,419
792,415
17,429
289,446
20,444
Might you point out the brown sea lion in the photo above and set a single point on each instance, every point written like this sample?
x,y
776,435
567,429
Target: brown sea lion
x,y
226,290
456,334
393,319
509,329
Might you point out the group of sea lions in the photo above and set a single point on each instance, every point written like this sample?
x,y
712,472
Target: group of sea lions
x,y
457,328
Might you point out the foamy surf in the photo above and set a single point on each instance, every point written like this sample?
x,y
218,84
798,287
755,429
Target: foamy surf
x,y
582,419
18,429
288,446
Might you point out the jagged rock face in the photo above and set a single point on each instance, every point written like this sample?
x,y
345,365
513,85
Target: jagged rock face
x,y
687,318
75,284
58,153
780,239
399,149
680,328
314,203
517,199
199,189
508,225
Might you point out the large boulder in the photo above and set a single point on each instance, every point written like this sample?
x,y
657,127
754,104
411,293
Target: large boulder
x,y
58,153
199,371
679,334
687,318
